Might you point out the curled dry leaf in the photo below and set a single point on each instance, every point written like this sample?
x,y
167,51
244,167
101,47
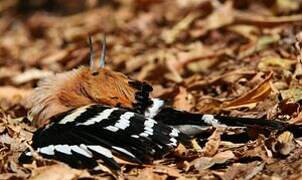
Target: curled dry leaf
x,y
58,172
223,15
169,36
184,100
258,94
246,31
147,174
180,151
259,45
197,53
235,75
270,61
286,6
212,145
13,94
255,19
172,172
292,94
297,120
29,75
285,143
8,72
55,57
207,162
243,171
162,92
257,149
196,146
229,77
202,66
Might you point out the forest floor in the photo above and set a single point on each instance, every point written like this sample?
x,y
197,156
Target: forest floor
x,y
235,57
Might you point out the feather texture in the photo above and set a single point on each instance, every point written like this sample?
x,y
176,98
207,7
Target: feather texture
x,y
79,87
82,136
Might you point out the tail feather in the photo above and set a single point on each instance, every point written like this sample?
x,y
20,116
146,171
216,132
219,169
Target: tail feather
x,y
174,117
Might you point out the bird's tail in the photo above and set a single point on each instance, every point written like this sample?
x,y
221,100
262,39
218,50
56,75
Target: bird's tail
x,y
174,117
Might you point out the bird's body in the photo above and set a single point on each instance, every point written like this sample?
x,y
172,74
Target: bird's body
x,y
81,136
95,113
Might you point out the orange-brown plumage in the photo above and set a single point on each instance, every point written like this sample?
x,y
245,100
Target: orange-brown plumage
x,y
76,88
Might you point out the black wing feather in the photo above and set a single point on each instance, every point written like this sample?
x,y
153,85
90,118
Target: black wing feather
x,y
135,138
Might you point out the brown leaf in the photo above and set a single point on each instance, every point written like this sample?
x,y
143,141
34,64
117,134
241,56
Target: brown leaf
x,y
268,21
243,171
258,149
169,36
7,72
229,77
222,16
162,92
292,94
172,172
285,143
184,100
55,57
11,93
207,162
259,93
211,147
29,75
266,63
148,174
58,172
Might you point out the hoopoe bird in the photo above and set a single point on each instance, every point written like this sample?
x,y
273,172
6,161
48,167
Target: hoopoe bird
x,y
93,113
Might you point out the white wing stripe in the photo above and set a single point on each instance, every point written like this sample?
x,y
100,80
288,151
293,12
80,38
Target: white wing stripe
x,y
112,128
81,150
154,108
150,123
63,149
174,132
124,122
210,119
101,150
123,150
101,116
48,150
71,117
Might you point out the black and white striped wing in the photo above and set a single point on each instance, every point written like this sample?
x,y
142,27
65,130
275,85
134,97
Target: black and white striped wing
x,y
94,132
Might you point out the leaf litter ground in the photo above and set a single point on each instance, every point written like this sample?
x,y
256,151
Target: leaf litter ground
x,y
237,58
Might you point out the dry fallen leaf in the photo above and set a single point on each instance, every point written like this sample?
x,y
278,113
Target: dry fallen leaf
x,y
58,172
222,16
211,147
257,94
207,162
258,149
148,174
285,143
13,94
169,36
297,119
184,100
243,171
212,50
171,172
268,21
270,61
292,94
29,75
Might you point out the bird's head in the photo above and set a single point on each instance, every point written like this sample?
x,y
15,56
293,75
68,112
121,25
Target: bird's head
x,y
86,85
